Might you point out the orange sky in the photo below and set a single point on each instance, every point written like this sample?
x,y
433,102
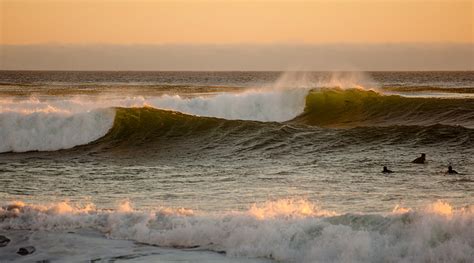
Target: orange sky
x,y
310,22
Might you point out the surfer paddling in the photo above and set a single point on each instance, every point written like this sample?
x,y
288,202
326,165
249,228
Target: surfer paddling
x,y
386,170
420,159
451,171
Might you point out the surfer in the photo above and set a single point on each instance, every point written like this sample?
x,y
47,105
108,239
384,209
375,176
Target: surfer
x,y
451,171
420,159
386,170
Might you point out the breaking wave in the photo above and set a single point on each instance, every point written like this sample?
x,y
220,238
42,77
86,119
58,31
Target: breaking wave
x,y
156,129
41,131
36,125
285,230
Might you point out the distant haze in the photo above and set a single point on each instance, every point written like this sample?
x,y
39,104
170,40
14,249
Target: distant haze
x,y
234,21
237,35
239,57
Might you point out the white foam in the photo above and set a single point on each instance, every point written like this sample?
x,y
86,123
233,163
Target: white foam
x,y
281,101
53,123
34,125
290,230
258,105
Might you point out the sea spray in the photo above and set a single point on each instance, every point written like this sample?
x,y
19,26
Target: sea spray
x,y
341,80
351,80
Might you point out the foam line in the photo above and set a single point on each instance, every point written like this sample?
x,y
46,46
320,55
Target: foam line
x,y
286,230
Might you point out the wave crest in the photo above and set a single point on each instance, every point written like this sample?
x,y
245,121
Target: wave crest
x,y
355,107
41,126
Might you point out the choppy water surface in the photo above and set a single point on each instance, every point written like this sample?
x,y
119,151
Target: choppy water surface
x,y
256,165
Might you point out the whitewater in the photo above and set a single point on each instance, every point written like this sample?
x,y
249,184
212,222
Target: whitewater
x,y
43,125
236,166
283,230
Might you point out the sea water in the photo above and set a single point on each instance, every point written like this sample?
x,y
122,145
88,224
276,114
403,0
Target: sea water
x,y
237,166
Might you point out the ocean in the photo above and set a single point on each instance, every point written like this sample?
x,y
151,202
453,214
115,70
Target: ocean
x,y
236,166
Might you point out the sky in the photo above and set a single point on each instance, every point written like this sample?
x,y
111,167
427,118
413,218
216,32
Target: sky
x,y
190,34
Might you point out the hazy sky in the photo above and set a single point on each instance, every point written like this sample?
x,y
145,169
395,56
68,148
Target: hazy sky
x,y
257,28
193,21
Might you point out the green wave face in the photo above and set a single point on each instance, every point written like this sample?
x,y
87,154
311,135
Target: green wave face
x,y
152,127
391,119
141,124
161,134
354,107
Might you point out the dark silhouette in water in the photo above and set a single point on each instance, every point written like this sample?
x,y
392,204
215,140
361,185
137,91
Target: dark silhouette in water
x,y
26,250
386,170
451,171
4,241
420,159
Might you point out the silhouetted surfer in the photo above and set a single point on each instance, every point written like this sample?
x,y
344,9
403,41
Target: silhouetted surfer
x,y
420,159
451,171
386,170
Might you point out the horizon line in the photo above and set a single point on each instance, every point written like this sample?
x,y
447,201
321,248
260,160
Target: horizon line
x,y
237,43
